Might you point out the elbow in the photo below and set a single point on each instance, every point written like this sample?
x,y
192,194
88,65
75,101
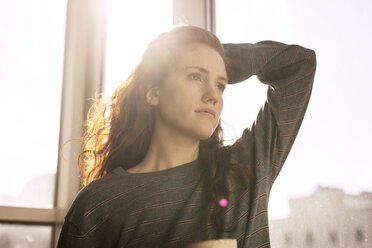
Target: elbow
x,y
310,57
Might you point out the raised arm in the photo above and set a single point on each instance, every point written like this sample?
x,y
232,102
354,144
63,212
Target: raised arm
x,y
289,71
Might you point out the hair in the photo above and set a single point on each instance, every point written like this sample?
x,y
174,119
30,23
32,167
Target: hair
x,y
119,128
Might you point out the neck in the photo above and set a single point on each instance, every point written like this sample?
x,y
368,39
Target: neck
x,y
169,149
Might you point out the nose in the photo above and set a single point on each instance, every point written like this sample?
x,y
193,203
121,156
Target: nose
x,y
211,95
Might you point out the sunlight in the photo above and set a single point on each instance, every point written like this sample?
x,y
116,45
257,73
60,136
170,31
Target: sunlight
x,y
32,35
131,25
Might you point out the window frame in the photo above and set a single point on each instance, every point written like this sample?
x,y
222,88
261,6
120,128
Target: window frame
x,y
82,78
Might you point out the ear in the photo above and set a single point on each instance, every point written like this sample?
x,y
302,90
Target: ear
x,y
152,96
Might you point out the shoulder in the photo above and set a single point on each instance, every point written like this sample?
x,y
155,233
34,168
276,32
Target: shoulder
x,y
96,193
90,213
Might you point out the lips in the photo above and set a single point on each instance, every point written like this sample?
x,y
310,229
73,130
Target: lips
x,y
207,111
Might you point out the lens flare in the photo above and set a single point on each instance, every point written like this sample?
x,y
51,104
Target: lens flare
x,y
223,202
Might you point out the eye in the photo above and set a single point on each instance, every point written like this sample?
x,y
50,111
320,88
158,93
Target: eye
x,y
195,76
221,87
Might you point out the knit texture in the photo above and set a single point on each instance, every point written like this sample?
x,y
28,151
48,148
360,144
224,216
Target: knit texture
x,y
161,209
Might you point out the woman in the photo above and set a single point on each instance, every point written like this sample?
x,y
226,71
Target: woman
x,y
156,171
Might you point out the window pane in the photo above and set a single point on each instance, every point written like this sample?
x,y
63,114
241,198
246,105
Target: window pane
x,y
12,235
131,25
31,64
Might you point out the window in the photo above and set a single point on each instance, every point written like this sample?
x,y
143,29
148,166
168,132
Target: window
x,y
31,62
31,67
32,236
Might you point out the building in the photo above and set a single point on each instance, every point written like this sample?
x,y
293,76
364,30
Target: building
x,y
327,218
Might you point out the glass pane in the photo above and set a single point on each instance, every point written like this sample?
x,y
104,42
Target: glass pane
x,y
332,148
24,236
131,25
31,64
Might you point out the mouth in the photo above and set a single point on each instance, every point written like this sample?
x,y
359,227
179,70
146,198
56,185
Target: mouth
x,y
207,111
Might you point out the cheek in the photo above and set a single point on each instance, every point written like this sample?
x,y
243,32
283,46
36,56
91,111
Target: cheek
x,y
220,107
179,96
172,106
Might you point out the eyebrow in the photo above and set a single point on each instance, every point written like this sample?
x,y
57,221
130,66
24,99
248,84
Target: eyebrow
x,y
204,71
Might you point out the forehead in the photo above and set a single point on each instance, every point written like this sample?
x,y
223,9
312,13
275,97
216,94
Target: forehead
x,y
200,55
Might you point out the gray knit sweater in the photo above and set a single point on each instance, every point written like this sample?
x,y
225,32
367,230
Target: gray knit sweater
x,y
159,209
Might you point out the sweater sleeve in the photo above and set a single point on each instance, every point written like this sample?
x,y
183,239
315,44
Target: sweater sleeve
x,y
289,72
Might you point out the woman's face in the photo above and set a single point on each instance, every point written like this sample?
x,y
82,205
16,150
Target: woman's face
x,y
190,98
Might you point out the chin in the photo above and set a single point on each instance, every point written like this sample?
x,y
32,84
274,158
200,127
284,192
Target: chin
x,y
201,130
